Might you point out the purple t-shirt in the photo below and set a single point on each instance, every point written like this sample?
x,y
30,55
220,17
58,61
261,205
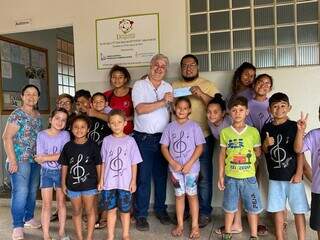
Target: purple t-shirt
x,y
258,113
215,130
47,144
118,154
182,140
311,143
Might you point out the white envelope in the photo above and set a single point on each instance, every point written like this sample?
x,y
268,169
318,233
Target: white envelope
x,y
181,92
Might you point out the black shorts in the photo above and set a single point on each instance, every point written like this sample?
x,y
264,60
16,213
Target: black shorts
x,y
315,212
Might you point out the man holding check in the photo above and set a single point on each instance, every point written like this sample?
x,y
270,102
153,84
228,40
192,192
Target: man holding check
x,y
201,91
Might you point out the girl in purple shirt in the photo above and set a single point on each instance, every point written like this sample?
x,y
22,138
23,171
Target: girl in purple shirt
x,y
49,145
181,145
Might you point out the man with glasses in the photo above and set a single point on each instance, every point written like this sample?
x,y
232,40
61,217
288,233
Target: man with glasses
x,y
151,98
201,91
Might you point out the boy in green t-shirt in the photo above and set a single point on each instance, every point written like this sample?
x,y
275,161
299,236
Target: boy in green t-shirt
x,y
239,148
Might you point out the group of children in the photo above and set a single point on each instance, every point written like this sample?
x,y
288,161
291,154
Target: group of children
x,y
99,156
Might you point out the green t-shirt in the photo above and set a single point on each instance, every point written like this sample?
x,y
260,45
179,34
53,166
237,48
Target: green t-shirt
x,y
240,159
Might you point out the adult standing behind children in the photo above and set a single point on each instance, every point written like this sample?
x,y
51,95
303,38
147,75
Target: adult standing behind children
x,y
119,97
151,100
202,91
19,140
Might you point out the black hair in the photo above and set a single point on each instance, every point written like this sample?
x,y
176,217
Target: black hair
x,y
123,70
263,75
117,112
217,99
82,93
189,56
98,94
278,97
237,75
30,86
182,99
81,117
240,100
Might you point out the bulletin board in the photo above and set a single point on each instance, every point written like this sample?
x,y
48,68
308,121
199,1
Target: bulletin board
x,y
22,64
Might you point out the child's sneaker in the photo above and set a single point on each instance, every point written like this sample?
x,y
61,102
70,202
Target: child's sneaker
x,y
227,236
253,238
32,223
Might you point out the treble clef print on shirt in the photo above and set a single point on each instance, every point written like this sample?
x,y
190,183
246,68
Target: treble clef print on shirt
x,y
77,171
94,135
116,163
179,146
53,164
277,153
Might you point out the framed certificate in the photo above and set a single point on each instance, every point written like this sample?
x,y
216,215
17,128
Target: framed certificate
x,y
129,41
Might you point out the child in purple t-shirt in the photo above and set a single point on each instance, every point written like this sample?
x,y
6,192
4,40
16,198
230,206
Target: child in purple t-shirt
x,y
181,145
311,142
217,117
49,146
120,156
258,106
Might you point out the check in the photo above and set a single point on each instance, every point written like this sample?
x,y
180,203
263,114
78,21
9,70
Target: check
x,y
181,92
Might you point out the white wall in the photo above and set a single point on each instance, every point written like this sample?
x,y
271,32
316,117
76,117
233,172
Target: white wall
x,y
301,84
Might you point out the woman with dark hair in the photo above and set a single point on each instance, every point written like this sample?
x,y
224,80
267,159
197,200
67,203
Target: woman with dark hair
x,y
19,139
119,97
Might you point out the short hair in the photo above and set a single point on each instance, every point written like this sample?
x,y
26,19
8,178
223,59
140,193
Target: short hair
x,y
82,93
65,95
98,94
81,117
123,70
189,56
160,56
30,86
263,75
117,112
217,99
182,99
240,100
279,97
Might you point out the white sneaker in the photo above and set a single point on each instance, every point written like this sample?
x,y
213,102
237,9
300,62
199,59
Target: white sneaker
x,y
32,223
17,233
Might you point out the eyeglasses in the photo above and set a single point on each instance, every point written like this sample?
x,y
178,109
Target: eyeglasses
x,y
64,103
192,66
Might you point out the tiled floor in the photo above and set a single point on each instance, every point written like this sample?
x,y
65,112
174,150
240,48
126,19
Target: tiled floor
x,y
157,231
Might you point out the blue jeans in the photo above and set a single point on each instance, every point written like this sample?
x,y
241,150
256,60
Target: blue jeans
x,y
153,165
24,186
205,178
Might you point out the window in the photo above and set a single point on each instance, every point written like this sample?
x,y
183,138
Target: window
x,y
65,60
267,33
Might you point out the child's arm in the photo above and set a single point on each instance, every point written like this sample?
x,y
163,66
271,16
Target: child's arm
x,y
64,171
93,113
133,182
222,156
195,156
98,168
101,178
47,158
177,167
257,151
301,127
297,177
268,141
